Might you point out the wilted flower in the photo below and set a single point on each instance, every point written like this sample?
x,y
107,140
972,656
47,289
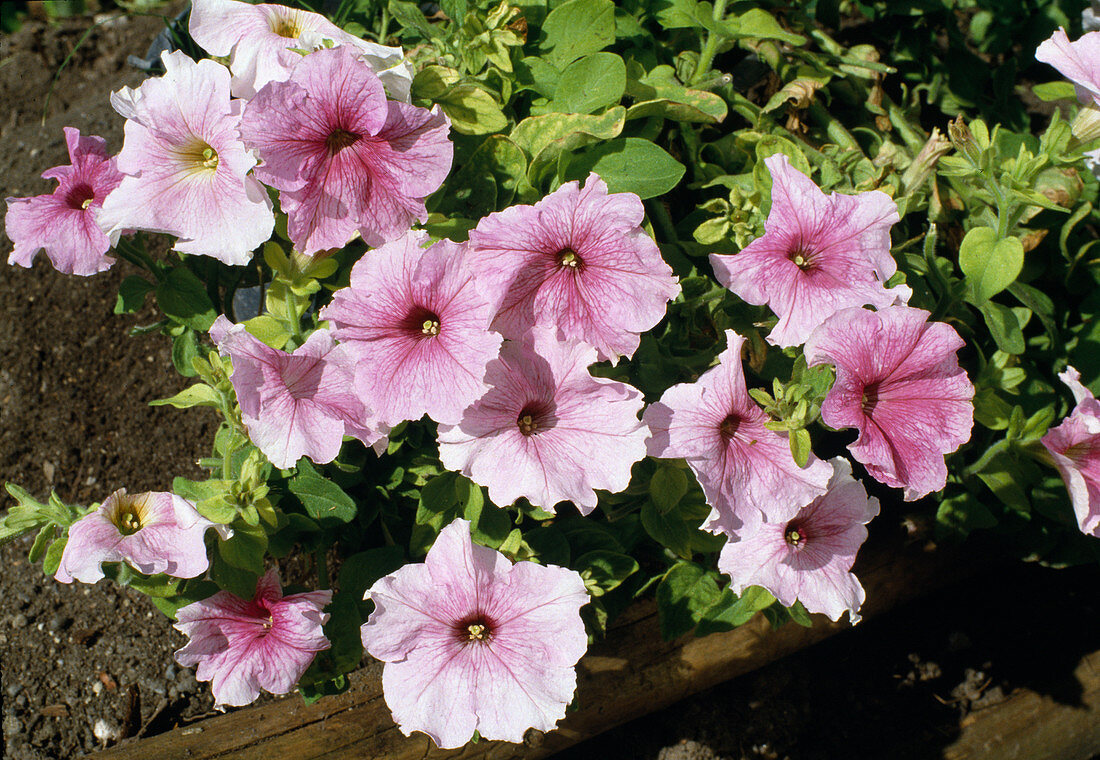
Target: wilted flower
x,y
153,532
898,381
1075,447
63,223
295,404
472,642
808,557
345,157
185,165
419,329
819,254
546,429
244,645
719,430
578,261
261,40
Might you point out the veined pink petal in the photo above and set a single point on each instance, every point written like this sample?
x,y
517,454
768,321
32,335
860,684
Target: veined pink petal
x,y
472,642
1075,447
898,382
64,223
819,254
577,261
1077,61
546,429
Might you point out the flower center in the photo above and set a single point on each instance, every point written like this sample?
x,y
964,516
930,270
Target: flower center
x,y
870,399
478,632
474,629
81,196
802,258
728,428
287,26
430,327
422,323
535,417
340,139
129,514
795,536
209,158
527,424
198,158
129,523
568,259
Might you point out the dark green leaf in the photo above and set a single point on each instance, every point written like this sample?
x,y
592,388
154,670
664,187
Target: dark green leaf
x,y
323,500
629,165
131,294
577,28
182,297
594,82
686,591
603,571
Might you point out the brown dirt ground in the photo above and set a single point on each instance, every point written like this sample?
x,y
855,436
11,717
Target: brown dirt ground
x,y
74,416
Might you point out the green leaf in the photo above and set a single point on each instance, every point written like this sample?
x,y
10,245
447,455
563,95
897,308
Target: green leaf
x,y
182,297
52,559
131,294
1004,327
730,611
498,162
549,545
360,571
801,446
268,330
667,486
999,474
577,28
683,595
185,349
760,24
41,542
592,83
604,571
990,265
245,550
472,110
668,530
538,134
233,579
159,585
409,16
323,500
629,165
200,394
1050,91
799,614
489,524
962,514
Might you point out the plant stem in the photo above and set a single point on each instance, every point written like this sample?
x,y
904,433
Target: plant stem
x,y
319,558
710,47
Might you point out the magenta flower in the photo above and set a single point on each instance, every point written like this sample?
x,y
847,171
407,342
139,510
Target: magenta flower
x,y
719,430
819,254
898,382
154,532
63,224
419,328
546,429
243,645
809,557
344,157
185,165
579,261
260,41
295,404
1078,61
472,642
1075,448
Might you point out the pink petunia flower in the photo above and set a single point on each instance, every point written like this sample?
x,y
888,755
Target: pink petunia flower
x,y
1075,448
345,157
244,645
898,382
808,557
63,223
472,642
546,429
154,532
419,328
185,165
579,261
819,254
295,404
1078,61
719,430
260,41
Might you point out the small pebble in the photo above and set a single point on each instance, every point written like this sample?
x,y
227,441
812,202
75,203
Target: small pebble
x,y
12,725
13,689
97,688
60,622
104,731
170,672
19,620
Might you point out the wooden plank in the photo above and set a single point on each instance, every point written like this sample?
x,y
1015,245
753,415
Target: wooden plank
x,y
1032,726
631,673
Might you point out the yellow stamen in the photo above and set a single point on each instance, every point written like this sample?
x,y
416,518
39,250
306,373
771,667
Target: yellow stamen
x,y
478,632
527,424
430,327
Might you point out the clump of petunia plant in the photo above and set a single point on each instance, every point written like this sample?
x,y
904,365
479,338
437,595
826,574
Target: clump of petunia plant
x,y
551,312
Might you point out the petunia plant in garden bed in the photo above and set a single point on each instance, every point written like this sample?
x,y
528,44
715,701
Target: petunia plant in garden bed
x,y
515,313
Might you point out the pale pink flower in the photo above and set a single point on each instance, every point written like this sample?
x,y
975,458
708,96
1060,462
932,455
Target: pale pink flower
x,y
419,328
719,430
808,557
185,165
63,223
260,41
153,532
819,254
345,157
898,382
1075,448
244,645
1078,61
546,429
473,642
577,260
295,404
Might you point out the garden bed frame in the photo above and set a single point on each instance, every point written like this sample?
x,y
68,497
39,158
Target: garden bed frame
x,y
634,672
